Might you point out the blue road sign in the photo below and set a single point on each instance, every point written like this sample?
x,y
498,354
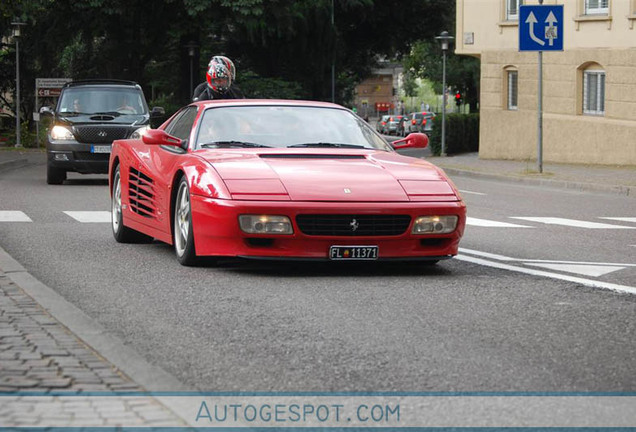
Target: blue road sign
x,y
541,28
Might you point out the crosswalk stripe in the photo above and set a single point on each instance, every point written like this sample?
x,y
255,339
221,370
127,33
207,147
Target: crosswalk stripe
x,y
571,223
471,192
90,216
621,219
492,224
585,270
14,216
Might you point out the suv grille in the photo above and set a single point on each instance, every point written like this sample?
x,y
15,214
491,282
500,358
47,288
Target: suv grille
x,y
100,134
343,225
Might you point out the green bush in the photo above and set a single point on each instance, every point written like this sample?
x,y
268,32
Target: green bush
x,y
462,134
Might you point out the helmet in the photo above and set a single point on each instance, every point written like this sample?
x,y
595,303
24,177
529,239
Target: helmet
x,y
227,62
219,77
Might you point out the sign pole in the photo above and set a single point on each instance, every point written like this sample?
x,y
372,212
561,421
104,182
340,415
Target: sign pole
x,y
540,117
37,123
540,114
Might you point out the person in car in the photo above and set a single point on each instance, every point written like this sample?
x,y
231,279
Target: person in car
x,y
219,82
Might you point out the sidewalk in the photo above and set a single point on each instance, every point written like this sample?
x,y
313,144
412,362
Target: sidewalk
x,y
11,157
39,355
593,178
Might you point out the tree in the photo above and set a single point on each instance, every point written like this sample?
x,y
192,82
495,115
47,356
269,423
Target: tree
x,y
287,47
462,73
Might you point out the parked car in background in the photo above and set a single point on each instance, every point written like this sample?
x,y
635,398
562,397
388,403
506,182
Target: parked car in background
x,y
89,116
392,125
381,126
419,122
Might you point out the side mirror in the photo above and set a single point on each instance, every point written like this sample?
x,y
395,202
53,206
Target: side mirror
x,y
160,137
46,111
157,112
414,140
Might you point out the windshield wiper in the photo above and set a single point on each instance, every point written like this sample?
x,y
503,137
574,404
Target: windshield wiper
x,y
70,113
326,144
224,144
110,113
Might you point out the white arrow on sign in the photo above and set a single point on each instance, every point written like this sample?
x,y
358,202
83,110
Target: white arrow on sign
x,y
531,21
551,29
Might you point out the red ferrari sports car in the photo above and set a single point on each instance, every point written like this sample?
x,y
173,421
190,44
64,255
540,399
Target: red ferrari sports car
x,y
284,179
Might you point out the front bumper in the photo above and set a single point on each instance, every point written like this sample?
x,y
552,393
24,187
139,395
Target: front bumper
x,y
78,157
217,232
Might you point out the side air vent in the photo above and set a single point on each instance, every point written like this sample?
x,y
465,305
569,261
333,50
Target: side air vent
x,y
141,194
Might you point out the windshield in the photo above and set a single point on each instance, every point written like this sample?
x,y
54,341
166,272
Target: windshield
x,y
286,126
93,100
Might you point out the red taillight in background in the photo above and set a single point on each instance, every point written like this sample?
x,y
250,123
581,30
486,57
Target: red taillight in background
x,y
413,121
423,122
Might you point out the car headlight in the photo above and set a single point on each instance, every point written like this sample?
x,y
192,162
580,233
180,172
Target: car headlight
x,y
139,132
265,224
434,225
61,133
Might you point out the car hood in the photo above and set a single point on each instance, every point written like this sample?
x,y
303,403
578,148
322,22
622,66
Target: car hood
x,y
328,175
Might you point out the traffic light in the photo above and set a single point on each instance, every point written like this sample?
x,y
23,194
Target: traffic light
x,y
458,98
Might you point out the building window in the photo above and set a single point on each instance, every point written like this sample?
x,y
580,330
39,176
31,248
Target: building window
x,y
512,10
594,92
596,7
513,89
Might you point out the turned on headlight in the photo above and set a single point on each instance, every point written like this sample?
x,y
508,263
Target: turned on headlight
x,y
434,225
265,224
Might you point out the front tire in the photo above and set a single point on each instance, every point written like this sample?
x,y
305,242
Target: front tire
x,y
183,237
54,176
122,233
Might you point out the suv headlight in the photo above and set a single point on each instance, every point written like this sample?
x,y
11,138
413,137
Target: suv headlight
x,y
61,133
139,132
265,224
434,225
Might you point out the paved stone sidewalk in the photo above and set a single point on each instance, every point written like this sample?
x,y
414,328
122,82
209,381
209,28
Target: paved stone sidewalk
x,y
38,354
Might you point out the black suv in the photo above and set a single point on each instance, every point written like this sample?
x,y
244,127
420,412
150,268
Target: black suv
x,y
88,117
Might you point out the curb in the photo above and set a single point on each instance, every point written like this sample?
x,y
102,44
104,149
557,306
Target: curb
x,y
11,164
151,377
628,191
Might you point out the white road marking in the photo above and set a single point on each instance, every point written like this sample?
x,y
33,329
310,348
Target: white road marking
x,y
492,224
585,270
505,258
581,281
13,216
572,223
90,216
621,219
471,192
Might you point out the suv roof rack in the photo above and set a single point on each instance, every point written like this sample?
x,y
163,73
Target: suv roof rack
x,y
99,81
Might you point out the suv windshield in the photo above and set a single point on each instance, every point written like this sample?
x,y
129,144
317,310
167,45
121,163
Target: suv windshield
x,y
97,100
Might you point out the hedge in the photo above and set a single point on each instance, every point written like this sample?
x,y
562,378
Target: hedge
x,y
462,134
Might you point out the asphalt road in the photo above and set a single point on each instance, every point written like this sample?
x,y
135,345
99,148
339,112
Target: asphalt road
x,y
458,326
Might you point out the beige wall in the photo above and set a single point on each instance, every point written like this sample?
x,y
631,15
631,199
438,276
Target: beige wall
x,y
569,135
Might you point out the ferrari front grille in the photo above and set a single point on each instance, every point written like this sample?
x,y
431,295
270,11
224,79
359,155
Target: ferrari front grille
x,y
141,193
100,134
353,225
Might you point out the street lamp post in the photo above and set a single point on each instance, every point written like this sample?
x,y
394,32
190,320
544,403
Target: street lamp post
x,y
16,35
445,40
192,47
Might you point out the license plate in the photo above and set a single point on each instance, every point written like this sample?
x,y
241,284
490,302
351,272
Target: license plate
x,y
100,149
353,253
